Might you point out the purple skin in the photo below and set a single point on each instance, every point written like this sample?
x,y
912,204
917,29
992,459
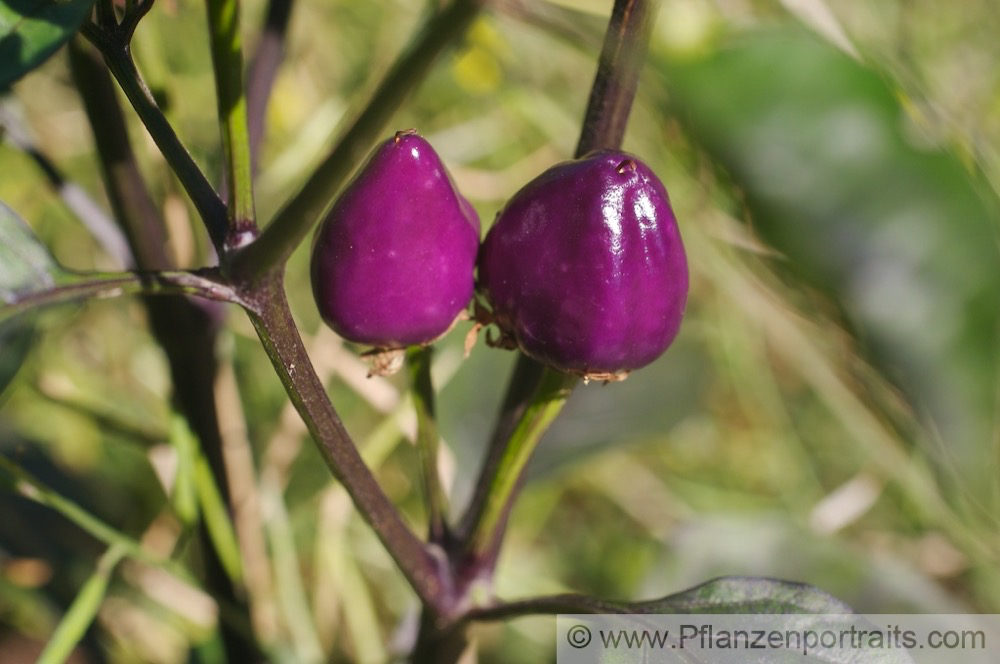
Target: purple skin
x,y
392,263
585,269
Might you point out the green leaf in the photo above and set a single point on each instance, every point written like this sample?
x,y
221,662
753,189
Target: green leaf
x,y
32,30
16,338
738,594
25,264
903,238
760,600
725,595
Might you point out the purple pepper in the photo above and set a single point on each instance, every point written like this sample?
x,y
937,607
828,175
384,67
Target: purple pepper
x,y
584,267
392,263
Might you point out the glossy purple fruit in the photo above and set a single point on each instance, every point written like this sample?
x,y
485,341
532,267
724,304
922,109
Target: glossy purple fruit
x,y
585,269
392,263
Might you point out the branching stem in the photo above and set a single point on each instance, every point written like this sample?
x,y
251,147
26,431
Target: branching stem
x,y
294,221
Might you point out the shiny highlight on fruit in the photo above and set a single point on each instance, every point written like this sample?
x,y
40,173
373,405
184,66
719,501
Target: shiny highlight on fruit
x,y
584,268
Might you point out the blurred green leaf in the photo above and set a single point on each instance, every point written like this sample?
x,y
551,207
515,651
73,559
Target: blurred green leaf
x,y
761,598
903,239
746,595
25,264
32,30
81,614
16,338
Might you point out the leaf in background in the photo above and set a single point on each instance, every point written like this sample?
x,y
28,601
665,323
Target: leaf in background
x,y
748,595
32,30
24,266
16,338
760,599
904,239
746,603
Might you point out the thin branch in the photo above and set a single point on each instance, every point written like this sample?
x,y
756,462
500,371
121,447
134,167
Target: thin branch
x,y
117,54
227,61
547,605
271,317
294,221
554,389
202,283
625,45
263,70
428,440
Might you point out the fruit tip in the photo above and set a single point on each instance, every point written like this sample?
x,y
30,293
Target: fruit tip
x,y
627,165
403,133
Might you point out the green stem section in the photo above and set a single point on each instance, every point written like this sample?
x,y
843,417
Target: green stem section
x,y
553,390
294,221
227,60
271,317
72,288
428,440
82,612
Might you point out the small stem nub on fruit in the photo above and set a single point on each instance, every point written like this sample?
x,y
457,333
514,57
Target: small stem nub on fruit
x,y
404,132
627,165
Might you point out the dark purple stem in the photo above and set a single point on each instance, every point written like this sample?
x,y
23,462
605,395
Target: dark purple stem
x,y
263,70
625,46
113,43
268,310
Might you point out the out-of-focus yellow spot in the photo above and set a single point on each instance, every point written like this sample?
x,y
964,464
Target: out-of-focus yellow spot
x,y
289,107
477,71
684,27
483,33
477,67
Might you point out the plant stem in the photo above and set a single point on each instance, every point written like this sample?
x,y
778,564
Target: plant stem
x,y
626,43
271,317
428,440
521,389
131,202
263,70
119,60
294,221
204,283
553,390
227,61
604,124
81,614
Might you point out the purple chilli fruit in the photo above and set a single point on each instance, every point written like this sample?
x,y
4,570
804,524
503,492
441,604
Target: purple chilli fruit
x,y
393,261
584,267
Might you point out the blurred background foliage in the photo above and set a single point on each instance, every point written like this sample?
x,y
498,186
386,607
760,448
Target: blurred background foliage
x,y
829,413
